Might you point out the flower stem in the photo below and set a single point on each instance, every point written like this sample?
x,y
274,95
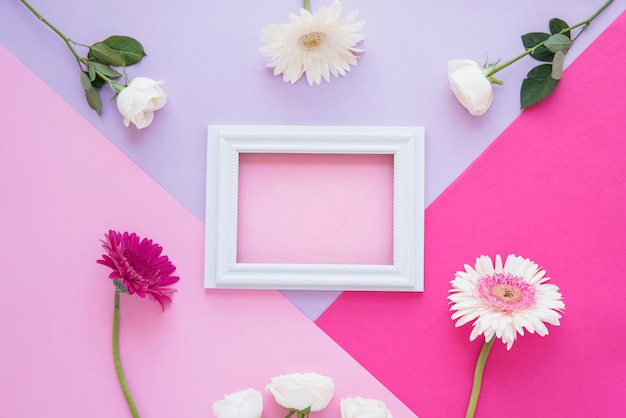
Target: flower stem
x,y
116,357
67,40
70,44
585,23
478,377
307,5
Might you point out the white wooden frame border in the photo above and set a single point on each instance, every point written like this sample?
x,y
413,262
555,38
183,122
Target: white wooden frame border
x,y
226,142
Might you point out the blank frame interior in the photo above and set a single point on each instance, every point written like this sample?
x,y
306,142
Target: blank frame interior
x,y
319,186
302,208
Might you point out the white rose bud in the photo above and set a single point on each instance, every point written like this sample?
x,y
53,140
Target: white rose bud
x,y
357,407
300,391
470,85
243,404
138,101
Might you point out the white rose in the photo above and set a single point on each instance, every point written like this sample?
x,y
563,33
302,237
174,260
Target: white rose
x,y
243,404
302,390
470,85
357,407
138,101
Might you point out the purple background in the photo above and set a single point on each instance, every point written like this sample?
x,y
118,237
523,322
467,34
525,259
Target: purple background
x,y
207,53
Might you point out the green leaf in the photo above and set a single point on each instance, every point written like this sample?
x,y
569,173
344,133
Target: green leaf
x,y
98,82
558,26
130,48
557,65
85,81
105,69
558,42
532,39
106,55
93,98
494,80
118,87
538,85
92,72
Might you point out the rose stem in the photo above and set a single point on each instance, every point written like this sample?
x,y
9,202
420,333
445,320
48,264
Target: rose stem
x,y
587,22
67,40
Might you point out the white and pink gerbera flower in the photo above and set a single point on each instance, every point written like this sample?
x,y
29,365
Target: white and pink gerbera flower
x,y
503,300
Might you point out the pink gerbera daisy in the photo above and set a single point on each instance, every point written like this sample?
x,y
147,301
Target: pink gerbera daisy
x,y
138,266
504,300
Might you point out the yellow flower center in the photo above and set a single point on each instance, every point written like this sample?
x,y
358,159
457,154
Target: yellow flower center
x,y
312,40
506,293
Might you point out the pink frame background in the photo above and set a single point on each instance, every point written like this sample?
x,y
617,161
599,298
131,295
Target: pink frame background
x,y
315,208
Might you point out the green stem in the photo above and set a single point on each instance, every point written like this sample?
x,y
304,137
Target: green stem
x,y
307,5
67,40
70,44
584,23
116,357
478,377
600,10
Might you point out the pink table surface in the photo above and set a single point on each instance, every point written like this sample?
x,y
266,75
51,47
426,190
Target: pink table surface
x,y
63,185
549,188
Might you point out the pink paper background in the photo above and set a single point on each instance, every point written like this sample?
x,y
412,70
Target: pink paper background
x,y
549,188
315,208
63,185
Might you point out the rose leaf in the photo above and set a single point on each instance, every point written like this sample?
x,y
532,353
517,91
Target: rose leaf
x,y
106,55
558,42
538,85
557,65
130,48
105,69
532,39
85,81
93,98
558,26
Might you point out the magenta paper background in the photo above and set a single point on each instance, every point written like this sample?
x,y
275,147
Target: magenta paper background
x,y
549,188
554,194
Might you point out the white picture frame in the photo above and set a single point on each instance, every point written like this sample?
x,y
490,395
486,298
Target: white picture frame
x,y
226,142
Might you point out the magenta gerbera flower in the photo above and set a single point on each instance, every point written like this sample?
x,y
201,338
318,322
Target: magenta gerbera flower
x,y
138,266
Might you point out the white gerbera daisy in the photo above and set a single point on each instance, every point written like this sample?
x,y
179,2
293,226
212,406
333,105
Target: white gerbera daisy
x,y
317,44
505,300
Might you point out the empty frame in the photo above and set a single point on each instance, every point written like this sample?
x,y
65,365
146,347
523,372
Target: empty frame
x,y
315,207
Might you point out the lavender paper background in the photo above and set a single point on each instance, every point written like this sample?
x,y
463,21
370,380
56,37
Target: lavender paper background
x,y
207,54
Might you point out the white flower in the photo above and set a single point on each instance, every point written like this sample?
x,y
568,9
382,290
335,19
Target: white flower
x,y
300,391
505,300
138,101
243,404
470,86
358,407
317,44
